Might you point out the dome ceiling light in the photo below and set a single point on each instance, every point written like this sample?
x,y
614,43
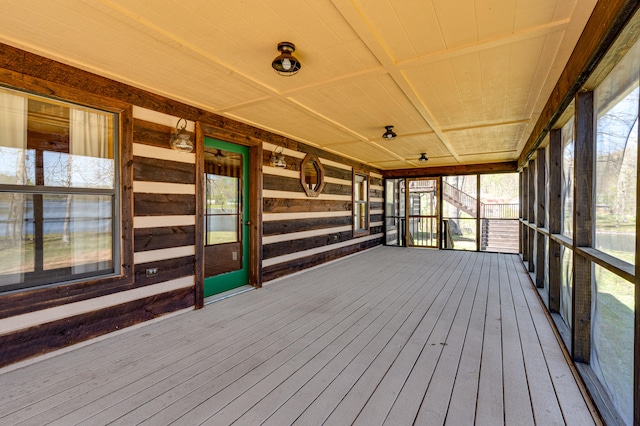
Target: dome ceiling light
x,y
423,157
286,64
389,134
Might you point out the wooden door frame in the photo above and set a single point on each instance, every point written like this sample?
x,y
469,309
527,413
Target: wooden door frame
x,y
255,204
437,216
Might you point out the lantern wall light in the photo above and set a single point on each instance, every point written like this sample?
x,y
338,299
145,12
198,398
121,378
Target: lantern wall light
x,y
181,139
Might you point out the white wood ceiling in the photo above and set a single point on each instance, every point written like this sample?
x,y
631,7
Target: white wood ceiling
x,y
462,80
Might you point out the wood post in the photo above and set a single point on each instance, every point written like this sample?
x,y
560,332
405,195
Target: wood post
x,y
532,216
555,212
583,226
525,214
540,217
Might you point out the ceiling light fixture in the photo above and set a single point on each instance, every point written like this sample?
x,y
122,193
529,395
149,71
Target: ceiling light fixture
x,y
389,134
181,140
423,157
285,63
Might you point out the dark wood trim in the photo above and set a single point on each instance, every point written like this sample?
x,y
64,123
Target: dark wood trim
x,y
636,327
37,340
608,262
607,20
525,214
165,171
294,246
147,204
531,190
540,216
170,269
255,213
199,210
555,212
583,226
163,237
279,227
505,167
288,205
286,268
152,134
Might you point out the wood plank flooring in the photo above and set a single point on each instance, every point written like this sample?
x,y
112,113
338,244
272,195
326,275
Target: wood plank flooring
x,y
390,336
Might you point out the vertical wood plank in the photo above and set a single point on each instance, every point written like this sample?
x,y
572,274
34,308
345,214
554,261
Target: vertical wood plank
x,y
126,191
525,214
555,212
478,213
636,334
540,216
531,190
255,214
583,229
199,234
520,195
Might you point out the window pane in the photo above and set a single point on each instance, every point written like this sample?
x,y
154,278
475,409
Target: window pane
x,y
221,229
459,196
78,232
612,338
16,237
567,178
616,158
72,239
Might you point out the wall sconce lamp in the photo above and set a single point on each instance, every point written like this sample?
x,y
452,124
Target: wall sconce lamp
x,y
389,134
286,64
277,158
181,139
423,157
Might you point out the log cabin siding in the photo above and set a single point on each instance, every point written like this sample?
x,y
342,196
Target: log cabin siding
x,y
300,231
160,210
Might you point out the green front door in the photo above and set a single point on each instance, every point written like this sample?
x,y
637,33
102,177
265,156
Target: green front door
x,y
226,216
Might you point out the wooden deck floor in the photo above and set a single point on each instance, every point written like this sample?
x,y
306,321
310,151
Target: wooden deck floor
x,y
390,336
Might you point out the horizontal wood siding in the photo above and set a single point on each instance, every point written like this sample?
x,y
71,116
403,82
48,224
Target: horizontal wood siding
x,y
58,334
299,231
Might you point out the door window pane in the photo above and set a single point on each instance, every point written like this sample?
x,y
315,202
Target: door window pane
x,y
222,205
499,210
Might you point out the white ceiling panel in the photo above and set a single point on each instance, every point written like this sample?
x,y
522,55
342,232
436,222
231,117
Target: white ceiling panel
x,y
463,81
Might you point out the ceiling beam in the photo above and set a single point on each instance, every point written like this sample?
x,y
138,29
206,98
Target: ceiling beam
x,y
466,169
371,39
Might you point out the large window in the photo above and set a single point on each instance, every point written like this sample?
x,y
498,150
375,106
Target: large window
x,y
360,203
616,159
58,191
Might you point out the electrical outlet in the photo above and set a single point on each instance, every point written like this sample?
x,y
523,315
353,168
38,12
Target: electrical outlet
x,y
152,272
234,255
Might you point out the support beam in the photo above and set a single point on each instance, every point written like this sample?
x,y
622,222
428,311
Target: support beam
x,y
555,221
583,226
532,214
525,214
540,216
